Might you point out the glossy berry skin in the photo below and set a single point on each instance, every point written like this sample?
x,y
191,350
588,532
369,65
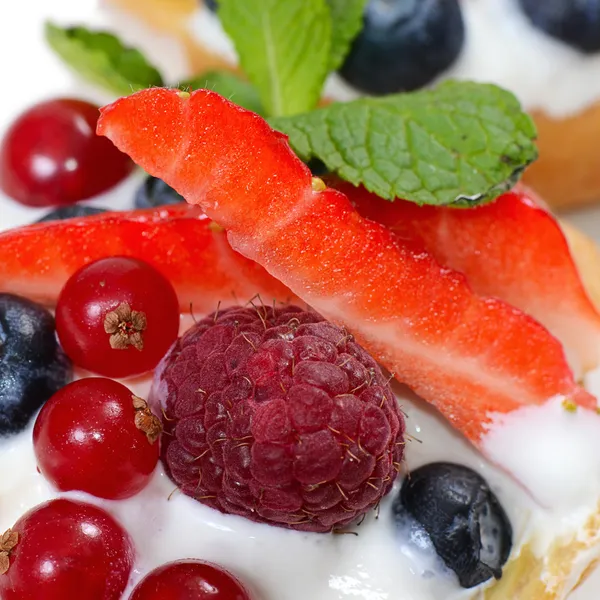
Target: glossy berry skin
x,y
463,518
103,290
278,416
189,580
32,364
85,438
155,192
71,212
51,155
575,22
404,45
68,550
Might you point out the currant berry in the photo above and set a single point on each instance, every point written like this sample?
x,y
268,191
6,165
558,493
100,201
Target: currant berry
x,y
189,580
51,155
65,550
117,317
94,435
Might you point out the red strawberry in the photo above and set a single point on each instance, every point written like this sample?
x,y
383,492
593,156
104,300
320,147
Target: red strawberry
x,y
467,355
179,241
512,248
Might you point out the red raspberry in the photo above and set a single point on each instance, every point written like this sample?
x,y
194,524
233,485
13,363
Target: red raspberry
x,y
278,416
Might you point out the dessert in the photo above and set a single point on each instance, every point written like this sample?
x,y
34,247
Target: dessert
x,y
547,53
280,431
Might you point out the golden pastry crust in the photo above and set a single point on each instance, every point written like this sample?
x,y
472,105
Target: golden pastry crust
x,y
554,576
568,170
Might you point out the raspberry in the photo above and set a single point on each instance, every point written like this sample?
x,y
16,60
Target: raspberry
x,y
278,416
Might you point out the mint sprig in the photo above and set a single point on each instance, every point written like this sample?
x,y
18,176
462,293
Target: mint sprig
x,y
103,59
229,85
346,22
284,49
460,144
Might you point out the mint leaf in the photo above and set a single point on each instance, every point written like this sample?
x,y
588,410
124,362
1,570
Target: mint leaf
x,y
102,59
229,85
284,49
347,21
460,144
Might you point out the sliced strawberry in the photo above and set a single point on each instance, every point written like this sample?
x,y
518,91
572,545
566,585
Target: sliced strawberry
x,y
180,241
513,249
469,356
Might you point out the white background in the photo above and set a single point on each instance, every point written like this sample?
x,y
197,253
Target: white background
x,y
29,72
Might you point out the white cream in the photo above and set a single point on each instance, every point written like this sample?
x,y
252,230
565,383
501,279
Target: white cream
x,y
381,563
501,47
553,451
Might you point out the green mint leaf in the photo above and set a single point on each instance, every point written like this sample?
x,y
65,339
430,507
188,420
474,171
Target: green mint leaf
x,y
347,21
459,144
230,86
102,59
284,49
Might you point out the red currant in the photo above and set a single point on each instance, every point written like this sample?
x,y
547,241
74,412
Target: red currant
x,y
189,580
117,317
51,155
67,550
94,435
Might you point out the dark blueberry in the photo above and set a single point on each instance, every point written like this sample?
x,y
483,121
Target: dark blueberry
x,y
211,4
32,364
155,192
463,518
71,211
404,45
576,22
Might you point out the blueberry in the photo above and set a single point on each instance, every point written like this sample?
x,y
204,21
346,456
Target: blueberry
x,y
211,4
576,22
155,192
69,212
404,45
32,364
463,518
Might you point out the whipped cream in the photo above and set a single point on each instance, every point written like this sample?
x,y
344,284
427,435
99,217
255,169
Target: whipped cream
x,y
501,47
383,562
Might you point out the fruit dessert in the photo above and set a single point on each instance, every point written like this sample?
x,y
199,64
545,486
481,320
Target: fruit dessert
x,y
256,382
548,53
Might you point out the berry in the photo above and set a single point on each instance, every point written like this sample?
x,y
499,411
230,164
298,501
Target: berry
x,y
576,22
189,580
463,518
71,212
90,436
117,317
537,275
65,550
279,416
181,243
51,155
404,45
155,192
423,322
32,364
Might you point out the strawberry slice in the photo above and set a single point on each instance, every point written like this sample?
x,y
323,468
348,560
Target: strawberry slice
x,y
513,249
469,356
179,241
